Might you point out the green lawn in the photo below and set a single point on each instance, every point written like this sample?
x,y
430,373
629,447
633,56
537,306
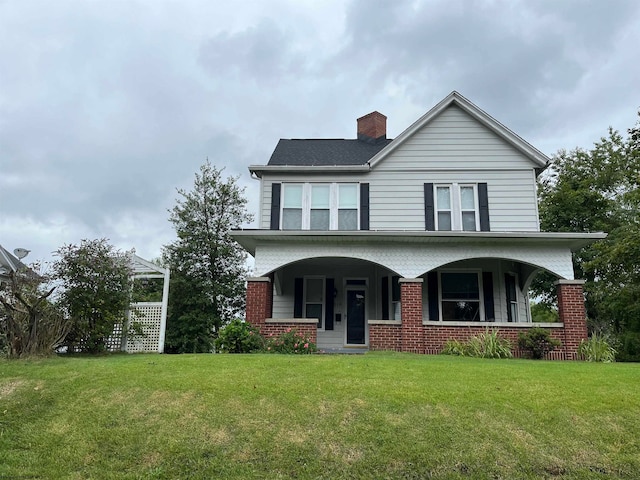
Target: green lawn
x,y
379,415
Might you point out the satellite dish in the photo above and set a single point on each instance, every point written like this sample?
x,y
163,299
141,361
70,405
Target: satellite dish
x,y
21,253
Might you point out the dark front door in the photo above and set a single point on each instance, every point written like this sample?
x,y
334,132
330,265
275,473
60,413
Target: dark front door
x,y
355,317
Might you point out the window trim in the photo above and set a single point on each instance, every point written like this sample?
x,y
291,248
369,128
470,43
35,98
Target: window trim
x,y
480,300
334,205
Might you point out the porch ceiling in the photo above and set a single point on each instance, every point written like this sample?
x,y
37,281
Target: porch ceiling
x,y
250,239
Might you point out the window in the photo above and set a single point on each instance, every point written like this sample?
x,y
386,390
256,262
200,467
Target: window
x,y
460,296
512,298
347,206
320,206
443,207
456,207
314,298
292,207
468,207
390,298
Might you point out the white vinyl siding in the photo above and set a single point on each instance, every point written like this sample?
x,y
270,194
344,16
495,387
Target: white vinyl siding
x,y
453,148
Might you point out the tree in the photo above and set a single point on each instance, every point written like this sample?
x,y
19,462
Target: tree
x,y
599,190
96,292
208,267
30,324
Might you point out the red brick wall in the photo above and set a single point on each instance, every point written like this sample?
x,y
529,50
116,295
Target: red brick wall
x,y
309,330
385,337
435,336
259,301
572,314
411,314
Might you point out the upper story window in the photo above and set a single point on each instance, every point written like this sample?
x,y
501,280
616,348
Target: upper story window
x,y
320,206
456,207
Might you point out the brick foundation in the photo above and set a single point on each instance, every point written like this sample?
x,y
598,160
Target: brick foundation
x,y
275,328
385,336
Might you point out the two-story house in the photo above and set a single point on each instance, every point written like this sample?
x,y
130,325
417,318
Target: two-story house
x,y
373,243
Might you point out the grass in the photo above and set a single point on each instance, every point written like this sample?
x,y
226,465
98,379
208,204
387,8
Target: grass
x,y
380,415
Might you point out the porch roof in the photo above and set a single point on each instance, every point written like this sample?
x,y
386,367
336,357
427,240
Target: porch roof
x,y
250,238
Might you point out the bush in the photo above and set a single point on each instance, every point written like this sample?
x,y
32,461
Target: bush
x,y
291,342
628,347
598,348
537,342
486,345
239,337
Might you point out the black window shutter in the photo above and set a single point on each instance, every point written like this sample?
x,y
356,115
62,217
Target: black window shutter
x,y
483,201
429,215
364,206
384,294
275,206
487,286
298,290
328,308
432,291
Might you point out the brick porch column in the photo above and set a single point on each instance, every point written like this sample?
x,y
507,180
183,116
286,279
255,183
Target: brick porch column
x,y
259,301
572,314
411,313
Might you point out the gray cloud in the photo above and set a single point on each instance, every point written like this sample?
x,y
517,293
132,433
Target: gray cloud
x,y
107,107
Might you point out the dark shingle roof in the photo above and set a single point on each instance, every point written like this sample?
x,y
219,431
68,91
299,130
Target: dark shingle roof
x,y
321,152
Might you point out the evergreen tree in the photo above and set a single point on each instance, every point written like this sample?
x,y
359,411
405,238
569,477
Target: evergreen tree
x,y
208,268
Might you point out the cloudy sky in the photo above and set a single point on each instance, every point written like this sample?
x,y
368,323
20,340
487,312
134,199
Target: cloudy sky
x,y
108,106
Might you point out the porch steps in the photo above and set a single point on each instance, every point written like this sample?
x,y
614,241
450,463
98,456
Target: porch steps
x,y
344,350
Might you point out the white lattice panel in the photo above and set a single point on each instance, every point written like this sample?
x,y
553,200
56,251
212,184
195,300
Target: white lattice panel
x,y
149,316
114,342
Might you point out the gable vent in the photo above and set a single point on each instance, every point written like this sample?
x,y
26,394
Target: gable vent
x,y
372,128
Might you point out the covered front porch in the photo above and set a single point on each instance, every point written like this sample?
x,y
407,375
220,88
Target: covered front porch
x,y
409,292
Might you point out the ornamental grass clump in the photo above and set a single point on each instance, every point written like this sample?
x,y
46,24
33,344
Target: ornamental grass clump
x,y
291,341
598,348
485,345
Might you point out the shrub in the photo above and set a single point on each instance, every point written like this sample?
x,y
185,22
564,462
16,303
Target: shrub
x,y
291,341
239,337
628,347
537,342
486,345
598,348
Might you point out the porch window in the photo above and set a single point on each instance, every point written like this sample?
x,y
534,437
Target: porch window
x,y
320,206
314,298
390,295
512,298
460,296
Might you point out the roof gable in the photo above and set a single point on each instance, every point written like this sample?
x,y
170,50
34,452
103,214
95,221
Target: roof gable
x,y
537,158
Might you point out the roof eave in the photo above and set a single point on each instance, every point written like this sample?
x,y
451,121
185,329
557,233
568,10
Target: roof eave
x,y
259,170
249,239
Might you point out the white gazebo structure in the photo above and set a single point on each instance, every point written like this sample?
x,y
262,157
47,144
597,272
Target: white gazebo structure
x,y
151,316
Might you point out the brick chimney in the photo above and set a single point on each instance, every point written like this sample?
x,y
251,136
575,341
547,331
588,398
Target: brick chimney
x,y
372,128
